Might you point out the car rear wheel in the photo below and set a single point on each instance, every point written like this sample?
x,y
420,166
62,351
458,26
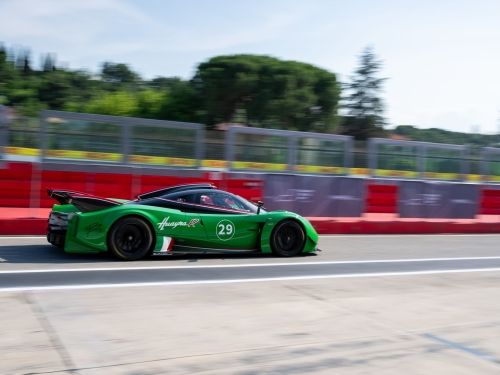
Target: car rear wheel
x,y
130,238
288,239
56,238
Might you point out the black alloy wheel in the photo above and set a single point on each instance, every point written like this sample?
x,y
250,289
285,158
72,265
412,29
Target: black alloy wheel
x,y
130,238
288,238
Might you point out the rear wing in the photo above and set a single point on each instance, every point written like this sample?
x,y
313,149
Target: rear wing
x,y
83,201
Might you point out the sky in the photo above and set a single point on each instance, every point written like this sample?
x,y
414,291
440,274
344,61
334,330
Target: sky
x,y
441,58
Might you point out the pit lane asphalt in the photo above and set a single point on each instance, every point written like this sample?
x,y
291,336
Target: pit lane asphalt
x,y
28,263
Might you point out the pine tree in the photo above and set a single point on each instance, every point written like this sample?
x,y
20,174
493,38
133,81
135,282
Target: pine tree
x,y
23,61
3,54
48,63
363,104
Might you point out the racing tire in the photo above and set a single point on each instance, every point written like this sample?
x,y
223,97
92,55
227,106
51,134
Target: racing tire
x,y
56,239
288,239
130,238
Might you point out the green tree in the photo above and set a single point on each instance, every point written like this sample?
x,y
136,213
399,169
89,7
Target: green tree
x,y
119,103
48,62
7,74
23,61
446,136
267,92
164,83
363,103
149,103
250,89
181,103
118,74
55,88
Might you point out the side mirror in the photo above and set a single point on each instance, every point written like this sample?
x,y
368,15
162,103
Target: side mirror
x,y
259,205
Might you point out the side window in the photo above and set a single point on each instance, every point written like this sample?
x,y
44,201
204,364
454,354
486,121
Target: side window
x,y
189,198
214,199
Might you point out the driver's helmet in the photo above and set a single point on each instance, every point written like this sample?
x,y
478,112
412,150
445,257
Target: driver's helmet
x,y
206,200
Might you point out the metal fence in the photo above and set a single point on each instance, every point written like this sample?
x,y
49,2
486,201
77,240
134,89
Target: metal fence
x,y
251,149
113,139
394,158
66,137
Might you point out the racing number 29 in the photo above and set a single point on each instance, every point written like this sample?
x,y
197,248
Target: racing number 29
x,y
225,230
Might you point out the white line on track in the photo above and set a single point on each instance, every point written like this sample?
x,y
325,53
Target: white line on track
x,y
21,237
234,281
332,235
243,265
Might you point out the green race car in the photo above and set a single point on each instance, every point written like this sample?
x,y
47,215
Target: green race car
x,y
184,219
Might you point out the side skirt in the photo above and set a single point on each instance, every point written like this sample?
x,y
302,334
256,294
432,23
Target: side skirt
x,y
182,249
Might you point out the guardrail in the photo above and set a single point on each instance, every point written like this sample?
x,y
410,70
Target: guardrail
x,y
66,137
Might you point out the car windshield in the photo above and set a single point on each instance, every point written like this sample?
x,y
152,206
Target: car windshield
x,y
252,207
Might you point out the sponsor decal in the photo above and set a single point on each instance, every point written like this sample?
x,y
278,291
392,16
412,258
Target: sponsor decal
x,y
344,197
425,200
174,224
462,201
225,230
296,195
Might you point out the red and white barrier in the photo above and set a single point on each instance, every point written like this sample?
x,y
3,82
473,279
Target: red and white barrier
x,y
381,198
490,201
24,185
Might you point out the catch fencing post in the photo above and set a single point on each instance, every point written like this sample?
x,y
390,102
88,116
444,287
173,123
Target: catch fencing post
x,y
3,131
125,134
348,155
292,152
465,165
229,147
200,146
421,155
483,165
43,136
372,156
490,155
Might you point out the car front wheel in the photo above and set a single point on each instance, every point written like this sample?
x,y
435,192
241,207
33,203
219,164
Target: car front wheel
x,y
288,238
130,238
